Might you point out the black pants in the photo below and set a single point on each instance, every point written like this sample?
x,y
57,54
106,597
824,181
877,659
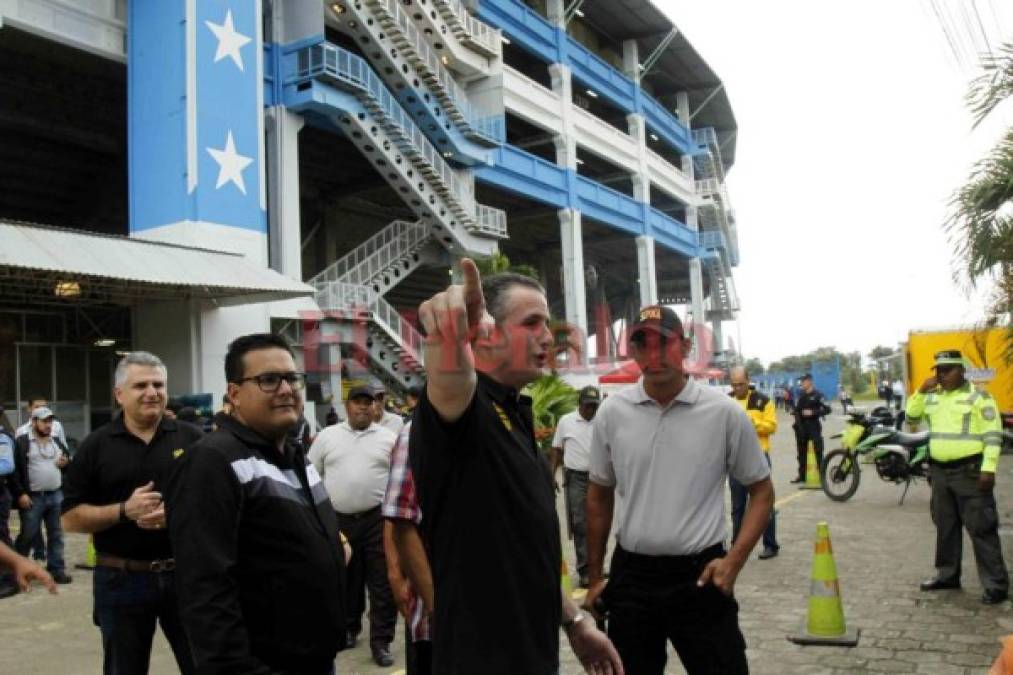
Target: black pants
x,y
367,569
418,655
128,606
805,432
958,503
576,515
651,599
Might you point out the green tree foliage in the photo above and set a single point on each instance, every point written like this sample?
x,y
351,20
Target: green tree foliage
x,y
497,263
888,362
980,224
754,366
551,398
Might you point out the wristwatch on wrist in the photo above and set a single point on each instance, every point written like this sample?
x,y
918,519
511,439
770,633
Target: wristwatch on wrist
x,y
577,618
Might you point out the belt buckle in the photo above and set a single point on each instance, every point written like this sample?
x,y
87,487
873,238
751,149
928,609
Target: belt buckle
x,y
159,566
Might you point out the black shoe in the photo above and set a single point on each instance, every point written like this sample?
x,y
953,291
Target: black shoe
x,y
351,639
994,597
797,480
937,584
8,590
382,656
62,578
768,553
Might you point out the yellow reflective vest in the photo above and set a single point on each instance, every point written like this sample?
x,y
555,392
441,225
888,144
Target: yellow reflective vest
x,y
962,423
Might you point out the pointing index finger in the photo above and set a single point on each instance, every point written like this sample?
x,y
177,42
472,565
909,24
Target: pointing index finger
x,y
474,300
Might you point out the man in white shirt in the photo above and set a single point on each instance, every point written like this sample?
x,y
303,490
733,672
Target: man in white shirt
x,y
572,446
381,415
353,459
38,549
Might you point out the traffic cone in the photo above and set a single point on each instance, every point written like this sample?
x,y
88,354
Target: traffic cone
x,y
812,471
825,623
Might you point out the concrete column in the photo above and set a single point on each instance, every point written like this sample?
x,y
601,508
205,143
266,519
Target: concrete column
x,y
642,179
284,220
631,60
566,142
682,106
719,342
696,290
571,237
555,11
647,271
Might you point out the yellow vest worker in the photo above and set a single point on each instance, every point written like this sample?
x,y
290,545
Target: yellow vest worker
x,y
966,436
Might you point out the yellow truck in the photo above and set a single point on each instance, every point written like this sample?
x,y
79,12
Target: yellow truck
x,y
982,347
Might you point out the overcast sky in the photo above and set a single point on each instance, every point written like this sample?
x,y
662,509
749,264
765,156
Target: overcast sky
x,y
853,134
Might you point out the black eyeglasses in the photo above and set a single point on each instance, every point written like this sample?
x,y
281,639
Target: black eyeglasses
x,y
269,382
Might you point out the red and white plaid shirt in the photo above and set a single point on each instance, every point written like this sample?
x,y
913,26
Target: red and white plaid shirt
x,y
401,503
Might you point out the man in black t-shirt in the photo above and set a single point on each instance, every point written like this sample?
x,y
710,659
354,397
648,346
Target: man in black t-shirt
x,y
112,490
486,494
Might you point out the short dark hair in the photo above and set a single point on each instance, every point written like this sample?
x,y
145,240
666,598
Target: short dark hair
x,y
496,289
234,366
415,391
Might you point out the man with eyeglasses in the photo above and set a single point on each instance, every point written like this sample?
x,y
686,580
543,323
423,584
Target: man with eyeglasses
x,y
257,548
353,458
964,446
667,445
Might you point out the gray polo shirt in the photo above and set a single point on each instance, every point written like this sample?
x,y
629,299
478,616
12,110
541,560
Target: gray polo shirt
x,y
669,465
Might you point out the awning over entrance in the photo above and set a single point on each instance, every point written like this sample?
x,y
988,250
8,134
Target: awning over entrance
x,y
41,263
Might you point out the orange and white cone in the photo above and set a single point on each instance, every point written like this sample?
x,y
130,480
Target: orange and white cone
x,y
825,624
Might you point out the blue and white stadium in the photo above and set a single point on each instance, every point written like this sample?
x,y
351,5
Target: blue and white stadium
x,y
175,173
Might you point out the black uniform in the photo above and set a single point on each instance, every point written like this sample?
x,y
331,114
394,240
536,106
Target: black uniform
x,y
106,469
260,567
489,513
809,428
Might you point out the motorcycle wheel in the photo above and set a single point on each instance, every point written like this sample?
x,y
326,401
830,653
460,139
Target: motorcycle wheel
x,y
840,475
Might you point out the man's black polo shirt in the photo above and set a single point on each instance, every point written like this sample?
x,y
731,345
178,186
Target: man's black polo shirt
x,y
489,518
110,464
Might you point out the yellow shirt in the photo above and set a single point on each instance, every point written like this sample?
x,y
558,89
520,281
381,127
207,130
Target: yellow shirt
x,y
962,423
764,421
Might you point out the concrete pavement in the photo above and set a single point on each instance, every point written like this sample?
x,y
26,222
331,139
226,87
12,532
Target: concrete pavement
x,y
882,551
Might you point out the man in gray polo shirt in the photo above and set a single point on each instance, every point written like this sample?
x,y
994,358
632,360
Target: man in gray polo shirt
x,y
668,445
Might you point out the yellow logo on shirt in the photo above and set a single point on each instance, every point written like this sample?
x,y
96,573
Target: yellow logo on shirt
x,y
177,453
503,417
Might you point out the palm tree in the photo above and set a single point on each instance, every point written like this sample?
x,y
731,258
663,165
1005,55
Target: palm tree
x,y
551,399
980,224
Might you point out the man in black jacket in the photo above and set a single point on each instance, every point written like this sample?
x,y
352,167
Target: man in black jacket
x,y
255,538
810,409
35,486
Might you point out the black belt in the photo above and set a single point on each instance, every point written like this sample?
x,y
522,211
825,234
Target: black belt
x,y
579,473
118,563
671,563
963,461
360,515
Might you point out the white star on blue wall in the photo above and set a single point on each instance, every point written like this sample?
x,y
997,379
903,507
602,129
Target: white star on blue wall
x,y
230,164
230,42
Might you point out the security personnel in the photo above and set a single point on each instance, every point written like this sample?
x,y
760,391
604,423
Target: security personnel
x,y
760,410
966,437
809,410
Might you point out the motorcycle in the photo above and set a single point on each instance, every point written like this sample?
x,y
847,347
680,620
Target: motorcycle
x,y
899,457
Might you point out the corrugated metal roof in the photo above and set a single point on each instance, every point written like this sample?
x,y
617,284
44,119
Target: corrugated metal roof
x,y
117,269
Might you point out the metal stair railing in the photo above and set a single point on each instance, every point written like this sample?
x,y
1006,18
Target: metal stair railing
x,y
353,73
405,34
708,138
470,30
356,301
491,221
376,255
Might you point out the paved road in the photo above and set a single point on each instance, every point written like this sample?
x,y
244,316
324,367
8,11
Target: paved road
x,y
882,550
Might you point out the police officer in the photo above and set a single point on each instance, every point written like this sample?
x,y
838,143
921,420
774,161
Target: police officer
x,y
966,437
809,410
